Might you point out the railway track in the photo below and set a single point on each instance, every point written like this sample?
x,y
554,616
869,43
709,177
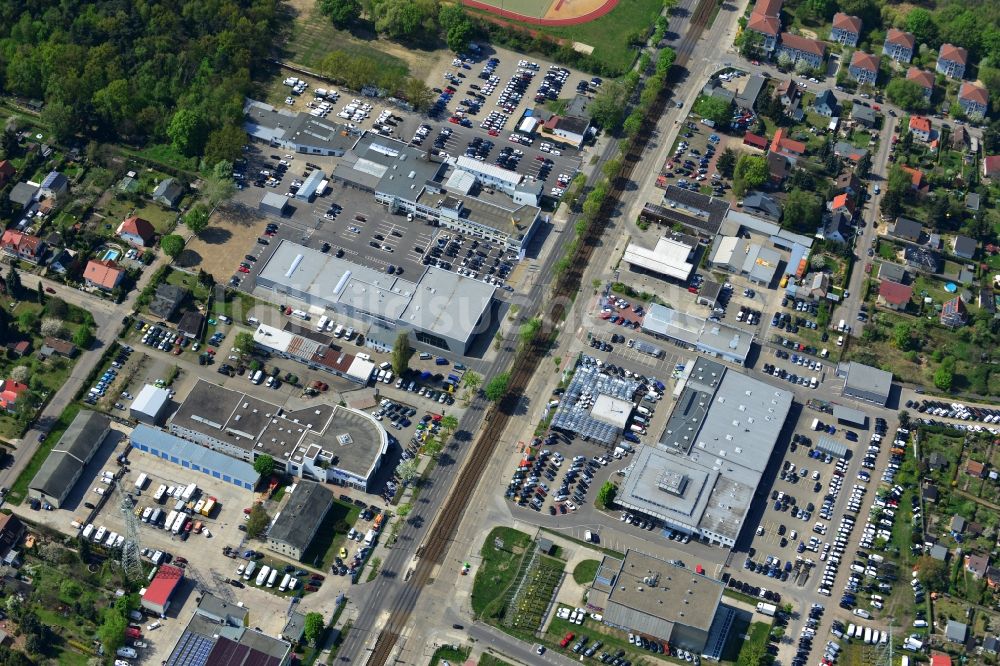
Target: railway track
x,y
526,363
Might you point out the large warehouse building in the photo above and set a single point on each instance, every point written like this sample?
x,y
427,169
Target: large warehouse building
x,y
645,595
701,477
193,457
443,310
290,533
62,469
863,382
692,332
317,350
322,442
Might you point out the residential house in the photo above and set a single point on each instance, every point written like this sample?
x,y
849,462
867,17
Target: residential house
x,y
788,147
849,151
847,183
863,68
957,524
765,20
52,346
922,78
819,285
977,564
909,230
837,227
846,29
954,313
951,61
939,659
993,577
956,631
54,186
826,104
863,115
937,461
7,171
10,391
931,494
921,128
991,645
972,202
103,274
916,178
747,98
191,324
779,167
787,92
893,295
23,194
893,272
761,205
991,166
166,300
939,552
963,246
986,301
11,532
22,246
18,348
800,48
922,259
168,193
136,231
960,139
899,45
974,99
842,203
975,468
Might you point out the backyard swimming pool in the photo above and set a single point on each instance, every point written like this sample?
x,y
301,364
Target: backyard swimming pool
x,y
112,254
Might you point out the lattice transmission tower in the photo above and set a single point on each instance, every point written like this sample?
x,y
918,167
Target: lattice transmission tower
x,y
131,564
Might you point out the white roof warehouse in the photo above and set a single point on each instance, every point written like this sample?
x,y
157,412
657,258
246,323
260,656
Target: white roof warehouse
x,y
443,310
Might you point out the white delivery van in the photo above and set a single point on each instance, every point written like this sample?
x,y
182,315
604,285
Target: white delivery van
x,y
258,377
338,331
321,324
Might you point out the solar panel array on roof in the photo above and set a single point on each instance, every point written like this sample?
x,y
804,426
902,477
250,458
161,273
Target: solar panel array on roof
x,y
574,411
192,650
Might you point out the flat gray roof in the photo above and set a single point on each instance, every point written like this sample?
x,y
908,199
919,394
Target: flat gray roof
x,y
862,377
355,439
650,595
73,450
693,330
308,130
305,510
850,415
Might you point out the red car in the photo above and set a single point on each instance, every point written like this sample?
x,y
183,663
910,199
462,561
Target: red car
x,y
243,269
493,133
50,290
567,638
453,119
177,351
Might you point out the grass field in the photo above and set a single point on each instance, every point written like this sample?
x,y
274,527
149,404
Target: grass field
x,y
585,571
498,569
489,660
324,547
450,654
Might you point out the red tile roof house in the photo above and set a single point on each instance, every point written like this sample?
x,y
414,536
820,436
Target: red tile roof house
x,y
785,146
951,61
136,231
846,29
894,295
800,48
864,68
765,20
991,166
899,45
9,392
6,171
974,99
975,468
842,203
977,565
953,313
921,128
22,246
922,78
104,274
916,178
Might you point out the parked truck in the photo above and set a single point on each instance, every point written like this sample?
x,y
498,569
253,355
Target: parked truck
x,y
209,507
370,537
160,492
168,524
189,492
140,483
766,609
273,577
262,576
816,424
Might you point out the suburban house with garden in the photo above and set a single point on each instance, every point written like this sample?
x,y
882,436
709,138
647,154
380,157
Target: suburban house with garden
x,y
922,78
168,193
991,166
136,231
103,274
974,99
952,60
54,186
954,313
765,20
921,128
22,246
786,147
863,68
826,104
10,391
899,45
894,295
863,115
846,29
963,246
798,48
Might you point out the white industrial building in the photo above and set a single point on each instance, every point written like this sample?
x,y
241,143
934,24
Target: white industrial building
x,y
713,338
150,405
672,257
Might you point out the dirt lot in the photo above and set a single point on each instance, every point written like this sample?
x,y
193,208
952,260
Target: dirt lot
x,y
220,248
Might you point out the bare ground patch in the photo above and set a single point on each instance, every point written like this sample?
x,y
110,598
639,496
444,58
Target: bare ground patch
x,y
220,247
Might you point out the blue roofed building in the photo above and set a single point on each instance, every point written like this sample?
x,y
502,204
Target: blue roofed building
x,y
194,457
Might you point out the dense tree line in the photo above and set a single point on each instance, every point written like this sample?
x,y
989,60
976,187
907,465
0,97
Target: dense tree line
x,y
143,70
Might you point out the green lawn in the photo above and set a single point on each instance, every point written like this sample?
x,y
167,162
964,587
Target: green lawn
x,y
454,655
586,571
755,646
614,640
489,660
163,220
328,541
166,155
190,282
498,569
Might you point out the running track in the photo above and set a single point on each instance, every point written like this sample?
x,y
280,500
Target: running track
x,y
575,20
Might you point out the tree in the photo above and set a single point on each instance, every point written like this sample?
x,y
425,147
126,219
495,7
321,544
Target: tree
x,y
20,373
472,380
449,423
606,495
244,342
112,630
803,210
609,104
403,510
258,521
172,245
751,172
906,94
225,143
402,352
341,12
196,219
529,330
785,61
313,626
13,283
405,19
417,93
497,387
56,307
750,43
726,164
864,166
188,132
944,376
27,321
83,337
819,11
62,119
407,471
264,466
459,35
902,336
714,109
921,23
932,573
52,326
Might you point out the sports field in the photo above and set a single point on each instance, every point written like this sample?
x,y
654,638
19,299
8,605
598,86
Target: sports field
x,y
546,12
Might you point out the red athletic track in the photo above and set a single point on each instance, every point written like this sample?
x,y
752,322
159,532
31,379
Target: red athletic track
x,y
576,20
